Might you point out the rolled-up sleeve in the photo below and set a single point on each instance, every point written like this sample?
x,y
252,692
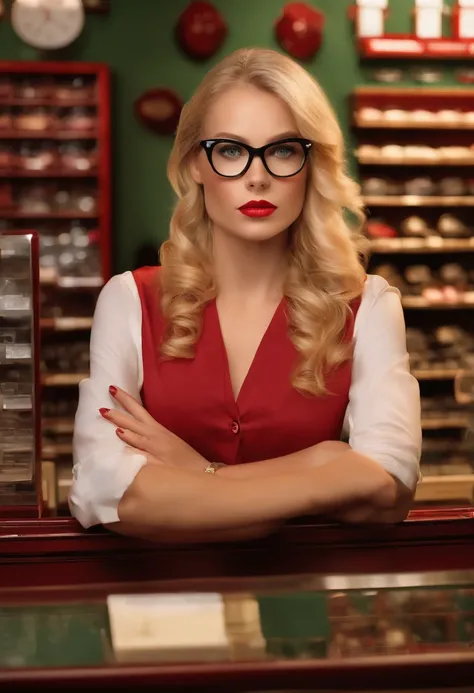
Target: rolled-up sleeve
x,y
383,417
103,466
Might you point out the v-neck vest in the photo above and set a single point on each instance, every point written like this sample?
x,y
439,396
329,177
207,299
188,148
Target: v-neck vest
x,y
194,398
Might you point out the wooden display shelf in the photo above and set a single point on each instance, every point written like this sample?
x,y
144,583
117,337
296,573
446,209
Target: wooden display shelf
x,y
431,244
50,451
15,214
444,422
445,488
13,448
420,92
47,101
58,425
62,379
421,303
48,134
409,99
386,124
418,200
411,161
66,324
53,173
436,373
52,279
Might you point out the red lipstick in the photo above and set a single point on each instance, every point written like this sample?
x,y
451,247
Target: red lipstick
x,y
257,208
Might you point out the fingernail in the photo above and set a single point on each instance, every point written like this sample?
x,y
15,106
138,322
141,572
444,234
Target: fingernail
x,y
104,411
113,390
119,431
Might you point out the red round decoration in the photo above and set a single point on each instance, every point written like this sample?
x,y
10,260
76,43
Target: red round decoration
x,y
299,30
201,29
159,109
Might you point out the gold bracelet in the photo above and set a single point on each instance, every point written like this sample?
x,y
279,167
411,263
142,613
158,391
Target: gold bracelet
x,y
212,467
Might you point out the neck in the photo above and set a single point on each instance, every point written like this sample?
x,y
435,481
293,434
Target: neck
x,y
248,268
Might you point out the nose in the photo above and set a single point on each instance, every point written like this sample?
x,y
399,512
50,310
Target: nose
x,y
257,177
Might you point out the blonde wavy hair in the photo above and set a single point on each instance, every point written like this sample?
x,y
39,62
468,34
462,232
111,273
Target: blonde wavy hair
x,y
325,268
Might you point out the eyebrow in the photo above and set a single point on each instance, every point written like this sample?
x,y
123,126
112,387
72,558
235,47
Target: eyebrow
x,y
275,138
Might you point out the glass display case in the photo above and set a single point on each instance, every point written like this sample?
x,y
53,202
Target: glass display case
x,y
20,480
380,633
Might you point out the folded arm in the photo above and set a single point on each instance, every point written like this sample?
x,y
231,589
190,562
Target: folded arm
x,y
133,494
163,498
136,427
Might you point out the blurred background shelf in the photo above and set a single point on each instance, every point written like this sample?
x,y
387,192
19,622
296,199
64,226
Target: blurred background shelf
x,y
418,201
433,244
412,149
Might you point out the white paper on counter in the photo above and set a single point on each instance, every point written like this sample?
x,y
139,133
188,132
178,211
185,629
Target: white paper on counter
x,y
167,622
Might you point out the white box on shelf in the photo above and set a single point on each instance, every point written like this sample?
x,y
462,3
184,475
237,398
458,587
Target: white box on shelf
x,y
466,19
429,19
370,18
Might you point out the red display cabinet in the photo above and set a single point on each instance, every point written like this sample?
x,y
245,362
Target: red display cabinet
x,y
55,178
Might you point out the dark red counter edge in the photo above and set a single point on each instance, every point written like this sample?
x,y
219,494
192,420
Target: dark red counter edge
x,y
364,674
45,552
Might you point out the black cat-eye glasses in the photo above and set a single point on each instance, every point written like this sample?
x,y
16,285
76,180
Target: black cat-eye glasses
x,y
232,159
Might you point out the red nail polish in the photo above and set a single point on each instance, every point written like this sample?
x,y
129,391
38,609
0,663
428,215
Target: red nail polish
x,y
119,431
113,390
104,411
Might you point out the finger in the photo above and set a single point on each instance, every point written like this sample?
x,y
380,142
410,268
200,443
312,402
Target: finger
x,y
134,439
123,420
130,404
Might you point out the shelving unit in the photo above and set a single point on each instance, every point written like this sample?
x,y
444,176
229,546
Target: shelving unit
x,y
55,178
383,116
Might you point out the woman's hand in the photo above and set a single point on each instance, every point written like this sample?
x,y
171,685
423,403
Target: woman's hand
x,y
139,430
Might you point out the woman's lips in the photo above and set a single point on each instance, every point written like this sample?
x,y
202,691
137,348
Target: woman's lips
x,y
257,211
257,208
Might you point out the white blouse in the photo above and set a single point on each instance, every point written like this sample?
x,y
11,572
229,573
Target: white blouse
x,y
382,418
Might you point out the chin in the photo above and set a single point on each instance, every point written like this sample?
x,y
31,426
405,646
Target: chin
x,y
258,232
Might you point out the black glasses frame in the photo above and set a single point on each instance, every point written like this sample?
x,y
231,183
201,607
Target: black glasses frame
x,y
208,146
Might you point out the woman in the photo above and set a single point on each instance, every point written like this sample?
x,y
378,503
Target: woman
x,y
259,341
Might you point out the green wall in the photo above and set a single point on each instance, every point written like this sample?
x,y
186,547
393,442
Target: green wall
x,y
137,41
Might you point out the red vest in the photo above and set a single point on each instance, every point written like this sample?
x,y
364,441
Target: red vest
x,y
194,398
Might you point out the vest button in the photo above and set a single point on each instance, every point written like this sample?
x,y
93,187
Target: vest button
x,y
235,428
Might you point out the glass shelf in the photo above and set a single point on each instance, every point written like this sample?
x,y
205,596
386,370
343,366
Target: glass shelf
x,y
19,478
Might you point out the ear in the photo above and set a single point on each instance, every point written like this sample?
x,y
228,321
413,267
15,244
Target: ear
x,y
195,169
